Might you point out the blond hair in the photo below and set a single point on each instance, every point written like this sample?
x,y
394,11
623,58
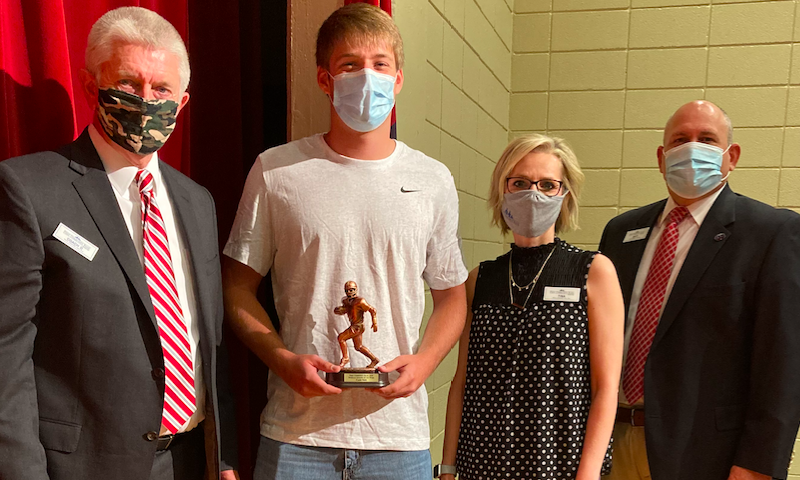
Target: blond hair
x,y
358,24
516,151
134,26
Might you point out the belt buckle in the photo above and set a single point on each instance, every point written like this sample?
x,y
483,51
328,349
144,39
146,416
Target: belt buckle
x,y
633,417
169,442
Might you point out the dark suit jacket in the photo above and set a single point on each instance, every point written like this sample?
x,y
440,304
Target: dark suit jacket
x,y
722,380
81,366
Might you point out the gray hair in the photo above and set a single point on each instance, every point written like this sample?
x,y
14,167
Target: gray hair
x,y
728,123
137,26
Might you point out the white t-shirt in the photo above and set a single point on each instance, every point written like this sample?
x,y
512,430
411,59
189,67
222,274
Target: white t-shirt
x,y
318,220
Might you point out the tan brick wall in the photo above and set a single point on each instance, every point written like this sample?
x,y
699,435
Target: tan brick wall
x,y
605,75
455,107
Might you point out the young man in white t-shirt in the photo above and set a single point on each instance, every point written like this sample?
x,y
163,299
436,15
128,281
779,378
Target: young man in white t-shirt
x,y
349,205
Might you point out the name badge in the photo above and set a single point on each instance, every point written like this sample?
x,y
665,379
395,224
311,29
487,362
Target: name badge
x,y
68,237
634,235
562,294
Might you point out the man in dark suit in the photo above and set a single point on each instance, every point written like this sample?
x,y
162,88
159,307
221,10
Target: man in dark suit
x,y
110,294
711,280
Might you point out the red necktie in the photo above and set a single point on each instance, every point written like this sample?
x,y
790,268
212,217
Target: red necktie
x,y
179,394
649,309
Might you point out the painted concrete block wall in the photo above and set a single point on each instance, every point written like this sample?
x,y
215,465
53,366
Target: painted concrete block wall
x,y
606,75
455,107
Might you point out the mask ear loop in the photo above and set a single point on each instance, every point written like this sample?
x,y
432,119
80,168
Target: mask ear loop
x,y
723,179
330,97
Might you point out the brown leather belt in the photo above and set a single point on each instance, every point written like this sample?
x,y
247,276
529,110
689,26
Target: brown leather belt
x,y
632,416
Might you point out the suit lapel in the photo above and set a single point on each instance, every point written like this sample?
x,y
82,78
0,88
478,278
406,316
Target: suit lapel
x,y
710,238
98,197
633,251
189,228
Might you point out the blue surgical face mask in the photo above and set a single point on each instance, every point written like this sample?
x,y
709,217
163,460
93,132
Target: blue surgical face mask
x,y
363,99
693,169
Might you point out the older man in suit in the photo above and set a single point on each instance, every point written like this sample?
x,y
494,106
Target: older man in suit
x,y
711,280
110,295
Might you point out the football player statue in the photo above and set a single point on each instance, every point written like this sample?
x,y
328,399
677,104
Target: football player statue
x,y
354,307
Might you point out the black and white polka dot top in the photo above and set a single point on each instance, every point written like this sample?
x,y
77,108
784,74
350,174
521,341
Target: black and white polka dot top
x,y
528,387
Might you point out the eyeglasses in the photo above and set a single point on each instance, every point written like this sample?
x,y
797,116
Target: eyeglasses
x,y
548,187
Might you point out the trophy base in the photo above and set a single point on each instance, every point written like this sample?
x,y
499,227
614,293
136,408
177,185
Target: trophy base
x,y
357,378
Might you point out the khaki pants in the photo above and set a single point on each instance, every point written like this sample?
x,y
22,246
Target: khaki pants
x,y
630,455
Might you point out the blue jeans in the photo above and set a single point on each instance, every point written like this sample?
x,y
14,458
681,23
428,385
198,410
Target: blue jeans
x,y
284,461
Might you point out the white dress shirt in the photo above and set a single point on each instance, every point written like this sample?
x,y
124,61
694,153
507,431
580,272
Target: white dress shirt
x,y
687,230
121,175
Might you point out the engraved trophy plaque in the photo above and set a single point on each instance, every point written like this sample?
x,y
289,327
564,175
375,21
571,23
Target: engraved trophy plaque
x,y
355,307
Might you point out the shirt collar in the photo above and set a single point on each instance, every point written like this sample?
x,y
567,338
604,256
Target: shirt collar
x,y
698,210
120,172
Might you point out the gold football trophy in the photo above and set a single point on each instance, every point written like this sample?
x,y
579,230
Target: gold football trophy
x,y
354,307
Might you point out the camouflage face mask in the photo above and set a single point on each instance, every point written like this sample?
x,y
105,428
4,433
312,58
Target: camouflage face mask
x,y
138,125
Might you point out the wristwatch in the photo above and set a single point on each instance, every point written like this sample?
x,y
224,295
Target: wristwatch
x,y
440,470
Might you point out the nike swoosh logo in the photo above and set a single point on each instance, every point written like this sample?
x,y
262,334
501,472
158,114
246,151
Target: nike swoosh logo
x,y
403,190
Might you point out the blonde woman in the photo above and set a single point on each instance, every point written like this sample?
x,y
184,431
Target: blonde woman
x,y
535,392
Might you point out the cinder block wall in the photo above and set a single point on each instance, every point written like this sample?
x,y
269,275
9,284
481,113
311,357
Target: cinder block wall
x,y
454,107
605,75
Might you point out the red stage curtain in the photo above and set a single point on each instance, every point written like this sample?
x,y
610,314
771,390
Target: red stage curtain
x,y
42,106
42,44
386,5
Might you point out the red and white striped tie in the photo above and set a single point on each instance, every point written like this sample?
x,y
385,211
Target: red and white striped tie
x,y
649,309
179,394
